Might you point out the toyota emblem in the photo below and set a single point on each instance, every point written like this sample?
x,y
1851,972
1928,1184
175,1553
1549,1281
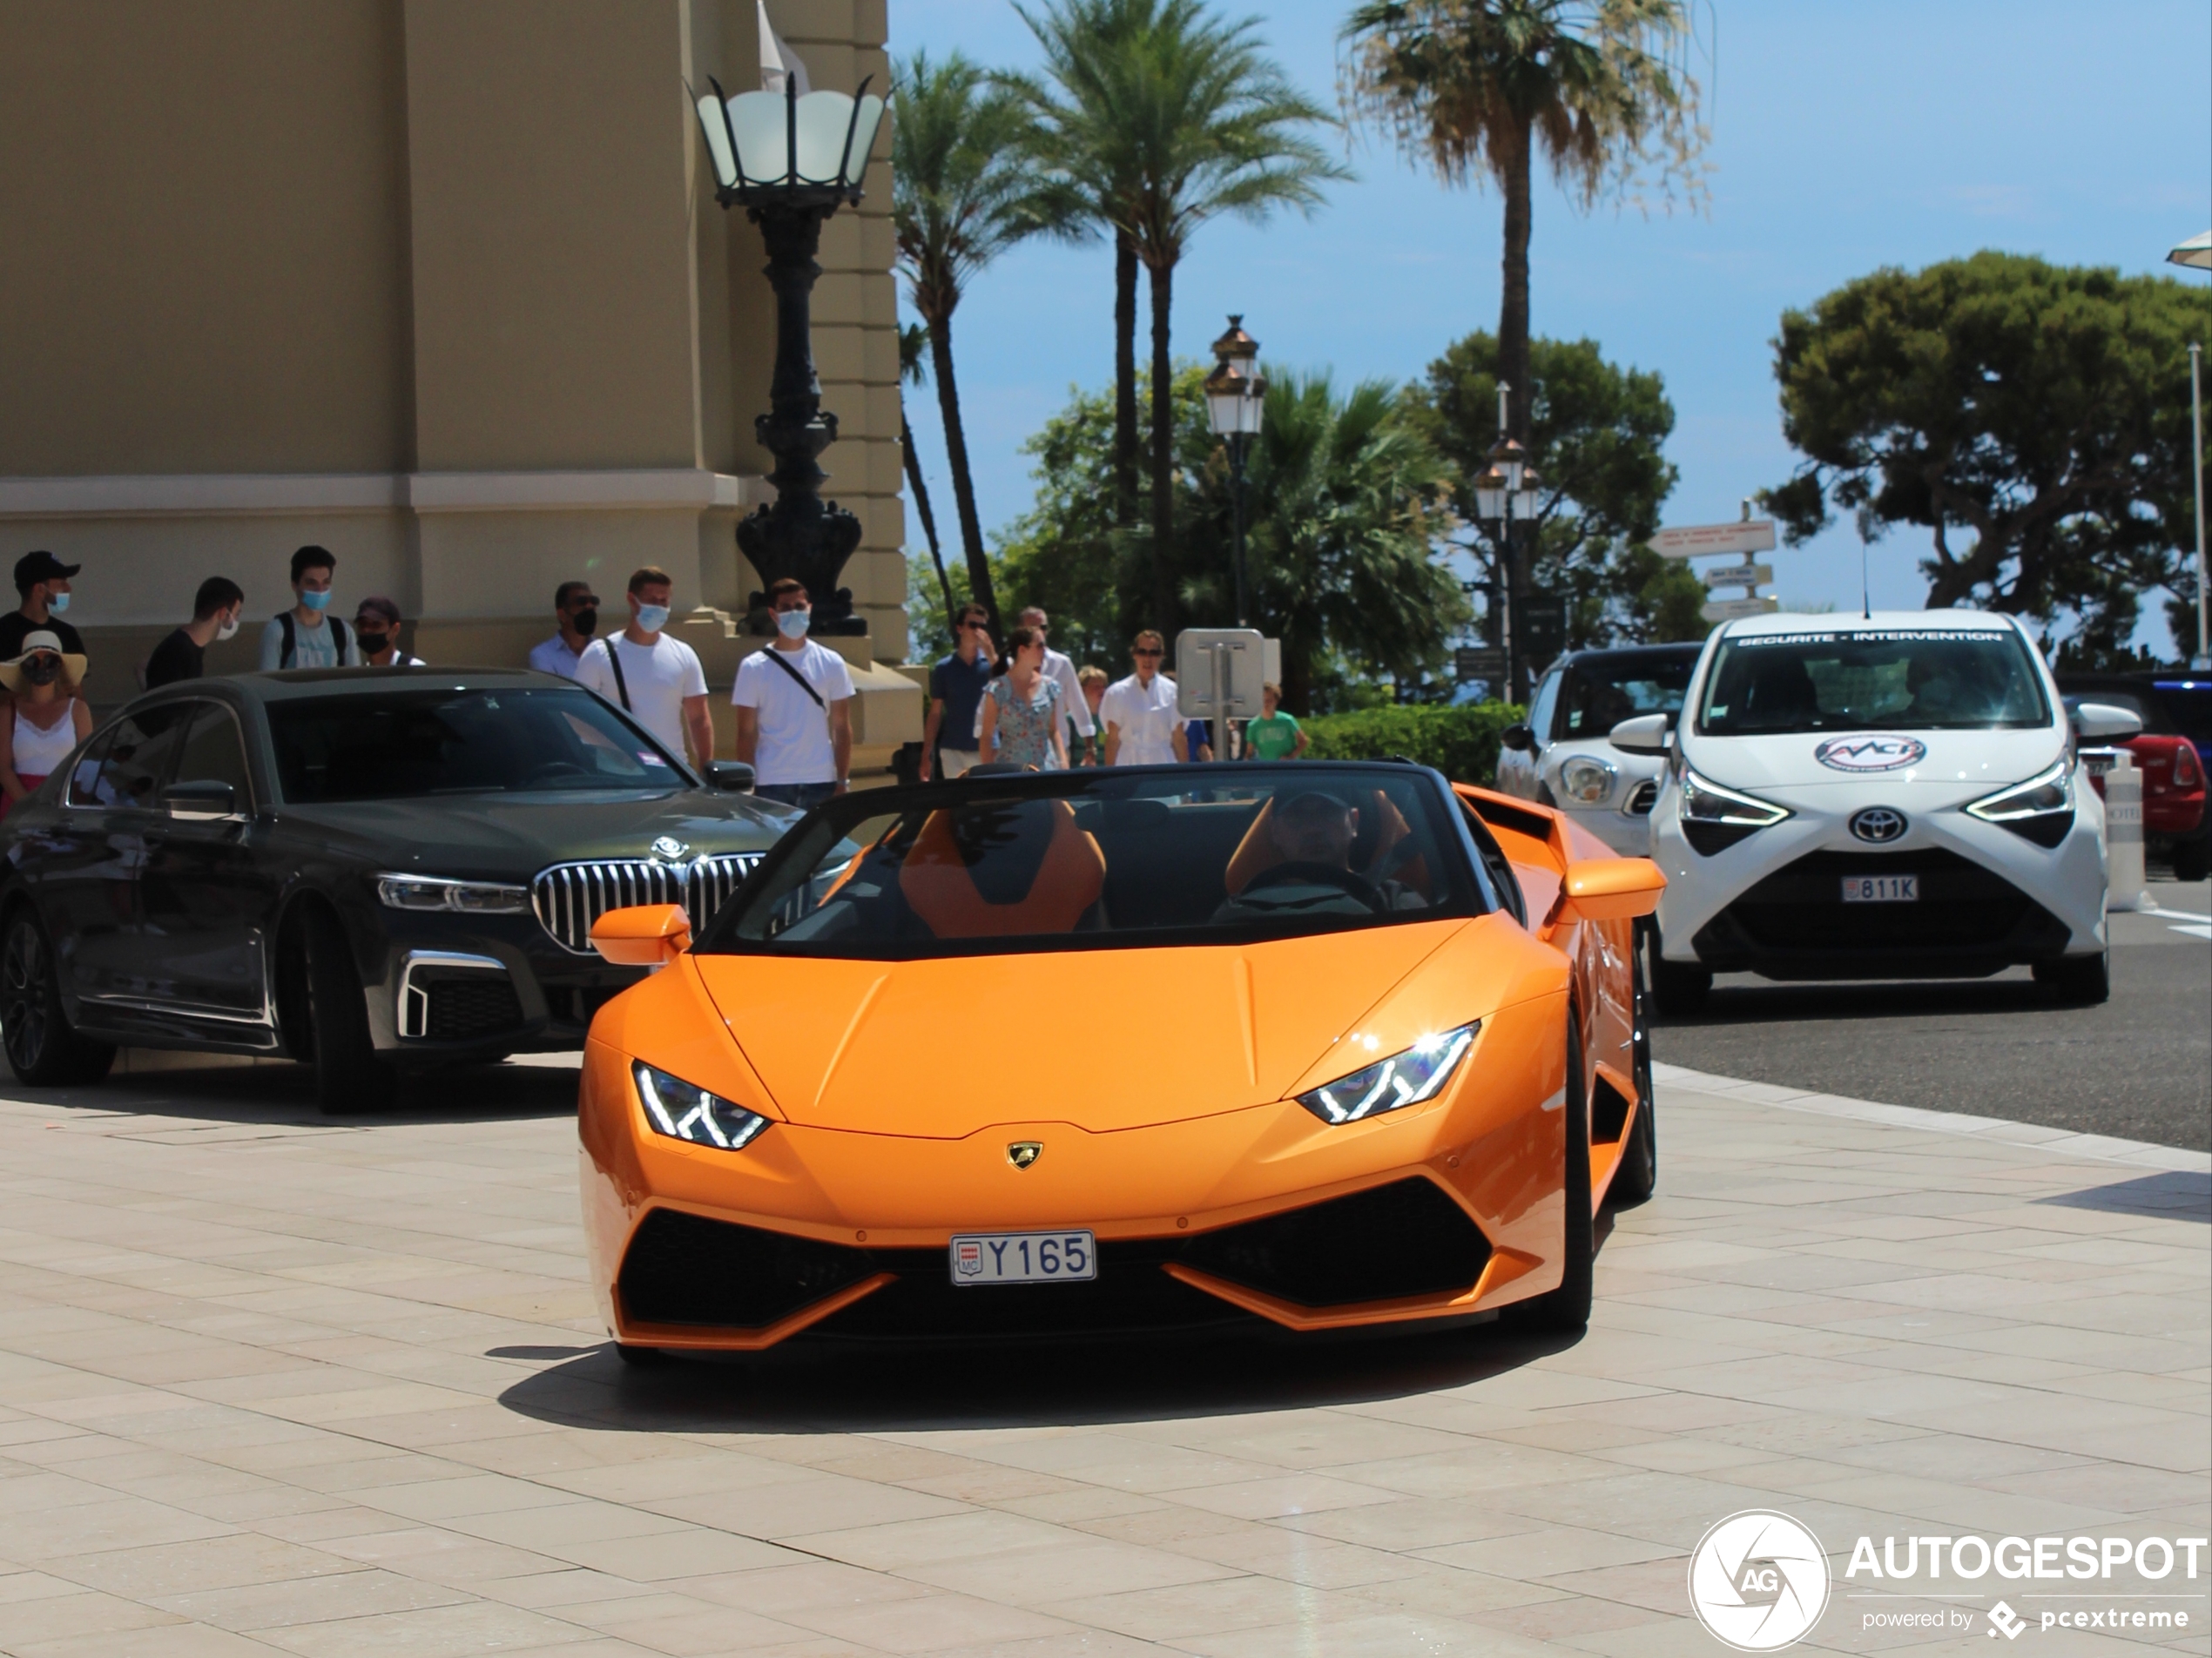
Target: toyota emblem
x,y
1880,824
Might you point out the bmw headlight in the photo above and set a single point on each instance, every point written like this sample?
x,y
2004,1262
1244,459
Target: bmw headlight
x,y
437,892
685,1111
2051,790
1403,1078
2041,810
1714,818
1588,780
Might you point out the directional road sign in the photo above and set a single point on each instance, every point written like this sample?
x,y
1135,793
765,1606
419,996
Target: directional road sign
x,y
1697,541
1738,576
1478,662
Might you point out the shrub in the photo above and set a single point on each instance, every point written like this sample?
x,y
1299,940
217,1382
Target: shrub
x,y
1460,742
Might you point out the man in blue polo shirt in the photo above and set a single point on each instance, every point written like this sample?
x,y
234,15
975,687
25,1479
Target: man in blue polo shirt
x,y
956,688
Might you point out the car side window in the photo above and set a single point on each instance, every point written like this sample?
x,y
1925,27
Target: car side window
x,y
85,782
1544,705
213,753
138,751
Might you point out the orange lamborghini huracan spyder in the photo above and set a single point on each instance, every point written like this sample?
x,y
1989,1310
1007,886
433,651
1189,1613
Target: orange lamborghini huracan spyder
x,y
1141,1048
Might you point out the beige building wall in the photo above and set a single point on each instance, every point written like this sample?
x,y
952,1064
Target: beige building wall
x,y
438,284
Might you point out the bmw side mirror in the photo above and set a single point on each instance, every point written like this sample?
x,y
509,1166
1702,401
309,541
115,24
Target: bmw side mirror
x,y
2103,723
731,777
1646,734
200,799
1518,738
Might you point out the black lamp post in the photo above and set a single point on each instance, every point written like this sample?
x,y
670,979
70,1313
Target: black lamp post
x,y
788,159
1507,491
1234,394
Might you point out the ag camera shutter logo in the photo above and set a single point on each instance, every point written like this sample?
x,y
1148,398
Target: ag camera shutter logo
x,y
1758,1581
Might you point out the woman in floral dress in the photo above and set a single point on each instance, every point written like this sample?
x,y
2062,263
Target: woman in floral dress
x,y
1021,724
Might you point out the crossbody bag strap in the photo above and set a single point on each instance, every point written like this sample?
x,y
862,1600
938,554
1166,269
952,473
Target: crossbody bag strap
x,y
285,659
621,685
777,657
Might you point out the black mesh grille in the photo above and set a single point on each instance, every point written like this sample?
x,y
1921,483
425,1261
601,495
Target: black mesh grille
x,y
1403,1239
477,1005
684,1270
1967,918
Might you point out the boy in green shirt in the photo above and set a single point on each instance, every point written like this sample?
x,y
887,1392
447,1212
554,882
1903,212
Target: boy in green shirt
x,y
1275,735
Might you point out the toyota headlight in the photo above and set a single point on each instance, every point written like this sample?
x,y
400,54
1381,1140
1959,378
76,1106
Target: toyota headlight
x,y
1417,1074
686,1111
2051,790
1588,780
2041,810
1714,818
437,892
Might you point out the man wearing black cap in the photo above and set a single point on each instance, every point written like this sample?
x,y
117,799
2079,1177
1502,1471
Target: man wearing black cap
x,y
43,582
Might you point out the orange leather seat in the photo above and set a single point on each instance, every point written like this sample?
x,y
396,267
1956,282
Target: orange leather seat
x,y
940,888
1257,852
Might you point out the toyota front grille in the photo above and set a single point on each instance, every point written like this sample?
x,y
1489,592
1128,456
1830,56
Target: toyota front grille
x,y
569,898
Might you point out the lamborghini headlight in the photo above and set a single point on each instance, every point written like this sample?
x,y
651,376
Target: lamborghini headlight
x,y
2051,790
1587,780
685,1111
1417,1074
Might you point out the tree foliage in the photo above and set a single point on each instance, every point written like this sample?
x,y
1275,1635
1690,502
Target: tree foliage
x,y
1462,742
1596,432
2033,419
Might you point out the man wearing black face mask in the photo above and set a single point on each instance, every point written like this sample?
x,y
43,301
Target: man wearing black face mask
x,y
377,626
576,607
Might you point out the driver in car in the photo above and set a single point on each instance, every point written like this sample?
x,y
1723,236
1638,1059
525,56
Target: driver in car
x,y
1313,835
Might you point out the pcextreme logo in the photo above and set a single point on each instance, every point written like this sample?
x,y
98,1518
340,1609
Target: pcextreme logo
x,y
1759,1580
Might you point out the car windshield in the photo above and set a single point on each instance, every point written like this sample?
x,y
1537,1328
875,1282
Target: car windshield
x,y
1602,691
2189,701
404,744
1103,858
1920,679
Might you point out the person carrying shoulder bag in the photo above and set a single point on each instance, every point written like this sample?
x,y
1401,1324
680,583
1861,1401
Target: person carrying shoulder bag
x,y
793,701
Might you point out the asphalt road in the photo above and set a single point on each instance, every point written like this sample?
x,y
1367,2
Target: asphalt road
x,y
2139,1067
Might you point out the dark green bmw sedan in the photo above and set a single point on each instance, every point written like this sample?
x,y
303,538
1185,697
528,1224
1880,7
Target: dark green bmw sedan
x,y
372,870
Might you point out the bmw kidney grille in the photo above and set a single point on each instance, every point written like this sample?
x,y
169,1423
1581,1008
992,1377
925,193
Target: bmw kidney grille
x,y
569,898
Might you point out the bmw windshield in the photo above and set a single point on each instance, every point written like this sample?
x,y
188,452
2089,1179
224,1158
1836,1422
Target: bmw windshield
x,y
403,744
1908,679
1103,858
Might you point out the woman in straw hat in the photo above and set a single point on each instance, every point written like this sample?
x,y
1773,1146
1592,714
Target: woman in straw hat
x,y
49,718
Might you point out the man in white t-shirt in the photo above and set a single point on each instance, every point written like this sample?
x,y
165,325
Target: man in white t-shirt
x,y
575,616
1060,668
1142,727
794,703
658,679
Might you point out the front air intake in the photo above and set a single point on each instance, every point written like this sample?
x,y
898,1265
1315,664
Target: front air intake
x,y
684,1270
1404,1239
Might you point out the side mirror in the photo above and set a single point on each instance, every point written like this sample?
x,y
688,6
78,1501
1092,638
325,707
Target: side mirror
x,y
731,777
1610,889
644,935
1518,738
2103,723
200,799
1646,734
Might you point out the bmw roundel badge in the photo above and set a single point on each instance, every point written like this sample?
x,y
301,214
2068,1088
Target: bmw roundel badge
x,y
1880,824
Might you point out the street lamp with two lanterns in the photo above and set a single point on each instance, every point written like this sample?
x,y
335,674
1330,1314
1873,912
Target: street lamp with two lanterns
x,y
1235,392
1508,492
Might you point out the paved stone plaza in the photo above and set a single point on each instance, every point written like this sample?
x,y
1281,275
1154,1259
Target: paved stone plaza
x,y
270,1383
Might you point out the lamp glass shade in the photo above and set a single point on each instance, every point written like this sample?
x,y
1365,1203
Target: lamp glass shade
x,y
1509,469
1224,412
1488,502
834,132
1525,502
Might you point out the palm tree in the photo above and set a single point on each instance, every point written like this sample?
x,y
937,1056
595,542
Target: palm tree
x,y
913,339
1091,56
962,194
1478,86
1168,117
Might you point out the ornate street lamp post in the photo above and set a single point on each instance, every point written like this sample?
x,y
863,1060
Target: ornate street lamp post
x,y
788,159
1504,492
1235,392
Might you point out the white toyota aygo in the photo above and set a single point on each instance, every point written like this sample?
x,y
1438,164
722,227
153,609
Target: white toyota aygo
x,y
1894,796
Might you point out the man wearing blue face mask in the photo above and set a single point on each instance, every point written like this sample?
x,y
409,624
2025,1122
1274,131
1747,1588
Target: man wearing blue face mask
x,y
794,706
656,678
303,636
43,582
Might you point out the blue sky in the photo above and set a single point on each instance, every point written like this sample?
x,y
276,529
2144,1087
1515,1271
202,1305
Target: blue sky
x,y
1844,137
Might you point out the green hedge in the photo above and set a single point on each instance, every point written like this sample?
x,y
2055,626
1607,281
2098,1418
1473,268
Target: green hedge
x,y
1462,742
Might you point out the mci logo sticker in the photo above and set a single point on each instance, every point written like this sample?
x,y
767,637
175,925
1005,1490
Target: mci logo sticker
x,y
1870,753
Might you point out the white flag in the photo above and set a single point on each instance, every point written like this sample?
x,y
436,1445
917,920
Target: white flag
x,y
777,60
